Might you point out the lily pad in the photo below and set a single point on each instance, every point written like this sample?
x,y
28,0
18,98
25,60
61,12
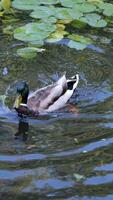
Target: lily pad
x,y
94,20
81,39
96,2
64,13
49,2
51,20
28,52
70,3
107,9
68,14
58,34
25,4
34,32
76,45
87,7
43,12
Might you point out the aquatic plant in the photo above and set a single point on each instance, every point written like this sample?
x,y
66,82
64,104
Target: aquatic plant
x,y
50,18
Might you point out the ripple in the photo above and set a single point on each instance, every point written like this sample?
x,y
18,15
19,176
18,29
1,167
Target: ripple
x,y
97,180
106,167
39,156
107,197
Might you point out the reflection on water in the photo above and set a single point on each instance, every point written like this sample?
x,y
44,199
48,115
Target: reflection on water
x,y
23,128
39,156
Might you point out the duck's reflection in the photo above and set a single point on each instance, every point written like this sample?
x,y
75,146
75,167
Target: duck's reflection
x,y
23,128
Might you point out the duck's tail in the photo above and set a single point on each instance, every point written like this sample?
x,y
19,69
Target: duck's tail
x,y
73,82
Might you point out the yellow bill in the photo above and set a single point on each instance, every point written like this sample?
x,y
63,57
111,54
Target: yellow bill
x,y
18,101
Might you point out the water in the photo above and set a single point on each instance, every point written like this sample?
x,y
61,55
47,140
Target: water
x,y
63,155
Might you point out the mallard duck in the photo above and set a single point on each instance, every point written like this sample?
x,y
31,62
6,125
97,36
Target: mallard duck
x,y
47,99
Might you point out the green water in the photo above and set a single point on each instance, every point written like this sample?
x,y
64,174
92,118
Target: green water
x,y
62,155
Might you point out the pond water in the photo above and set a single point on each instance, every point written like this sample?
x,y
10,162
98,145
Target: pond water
x,y
62,155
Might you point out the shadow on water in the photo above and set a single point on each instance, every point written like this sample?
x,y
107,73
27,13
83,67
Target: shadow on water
x,y
62,155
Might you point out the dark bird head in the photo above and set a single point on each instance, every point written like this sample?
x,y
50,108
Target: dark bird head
x,y
22,94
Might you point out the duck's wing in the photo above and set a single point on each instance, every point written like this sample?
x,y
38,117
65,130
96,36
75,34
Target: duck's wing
x,y
41,99
63,99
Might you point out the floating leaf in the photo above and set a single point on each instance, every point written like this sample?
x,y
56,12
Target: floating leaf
x,y
107,9
81,39
64,21
49,2
31,4
68,13
94,20
25,4
50,20
76,45
58,34
43,12
87,7
64,13
95,1
34,31
101,23
70,3
28,52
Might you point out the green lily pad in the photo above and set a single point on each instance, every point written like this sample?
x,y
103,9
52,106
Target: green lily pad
x,y
107,9
64,13
81,39
43,12
28,52
76,45
31,4
70,3
87,7
67,14
34,32
57,36
101,23
95,2
51,20
25,4
94,20
49,2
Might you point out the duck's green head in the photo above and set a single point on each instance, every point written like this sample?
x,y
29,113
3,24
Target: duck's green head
x,y
22,94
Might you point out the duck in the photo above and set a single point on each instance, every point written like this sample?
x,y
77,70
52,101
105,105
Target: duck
x,y
47,99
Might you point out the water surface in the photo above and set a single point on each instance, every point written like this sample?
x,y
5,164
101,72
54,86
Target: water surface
x,y
41,158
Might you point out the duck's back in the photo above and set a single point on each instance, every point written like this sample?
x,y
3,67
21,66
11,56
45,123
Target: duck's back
x,y
43,98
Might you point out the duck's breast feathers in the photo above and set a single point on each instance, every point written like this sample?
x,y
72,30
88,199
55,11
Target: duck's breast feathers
x,y
43,98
